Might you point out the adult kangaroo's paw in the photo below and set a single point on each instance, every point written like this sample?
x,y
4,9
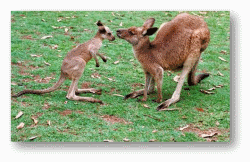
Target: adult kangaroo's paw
x,y
100,101
200,77
131,95
166,104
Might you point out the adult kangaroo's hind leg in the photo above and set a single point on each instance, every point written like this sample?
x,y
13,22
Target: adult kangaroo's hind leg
x,y
205,37
188,67
145,91
192,79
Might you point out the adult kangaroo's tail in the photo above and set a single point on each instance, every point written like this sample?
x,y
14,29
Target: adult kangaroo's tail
x,y
54,87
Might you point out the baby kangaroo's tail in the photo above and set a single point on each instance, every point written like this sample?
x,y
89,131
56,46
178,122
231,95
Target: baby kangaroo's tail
x,y
54,87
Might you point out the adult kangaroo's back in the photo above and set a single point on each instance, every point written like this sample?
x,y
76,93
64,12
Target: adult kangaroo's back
x,y
177,45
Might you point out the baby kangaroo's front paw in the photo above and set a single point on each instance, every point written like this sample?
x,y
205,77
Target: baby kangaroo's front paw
x,y
97,65
104,59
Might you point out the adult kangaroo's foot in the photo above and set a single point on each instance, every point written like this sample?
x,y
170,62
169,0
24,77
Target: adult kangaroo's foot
x,y
134,94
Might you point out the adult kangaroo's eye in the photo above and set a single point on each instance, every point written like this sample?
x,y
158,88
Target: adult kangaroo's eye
x,y
130,32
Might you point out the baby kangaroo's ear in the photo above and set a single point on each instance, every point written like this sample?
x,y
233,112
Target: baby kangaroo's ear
x,y
150,31
99,23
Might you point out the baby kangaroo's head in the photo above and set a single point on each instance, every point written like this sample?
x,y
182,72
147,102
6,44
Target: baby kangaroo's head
x,y
105,32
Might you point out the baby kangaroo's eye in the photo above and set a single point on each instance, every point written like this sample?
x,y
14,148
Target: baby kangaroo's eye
x,y
109,33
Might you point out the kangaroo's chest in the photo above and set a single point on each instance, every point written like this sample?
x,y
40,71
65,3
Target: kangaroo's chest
x,y
135,55
94,46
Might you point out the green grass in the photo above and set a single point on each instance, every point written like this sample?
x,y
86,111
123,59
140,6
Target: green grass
x,y
85,122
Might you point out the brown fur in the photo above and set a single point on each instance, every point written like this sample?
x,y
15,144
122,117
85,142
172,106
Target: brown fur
x,y
74,63
178,44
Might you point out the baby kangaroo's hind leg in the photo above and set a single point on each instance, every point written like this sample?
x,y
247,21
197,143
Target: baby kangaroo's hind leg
x,y
72,96
89,90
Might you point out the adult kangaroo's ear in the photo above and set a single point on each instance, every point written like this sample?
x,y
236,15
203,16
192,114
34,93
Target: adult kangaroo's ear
x,y
149,23
99,23
150,31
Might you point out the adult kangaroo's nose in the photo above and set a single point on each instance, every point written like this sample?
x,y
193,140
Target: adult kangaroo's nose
x,y
118,33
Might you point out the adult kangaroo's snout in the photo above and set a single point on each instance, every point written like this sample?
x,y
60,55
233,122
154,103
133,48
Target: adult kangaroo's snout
x,y
118,33
121,33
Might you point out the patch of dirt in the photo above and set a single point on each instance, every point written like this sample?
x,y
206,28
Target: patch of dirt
x,y
199,109
65,112
79,112
101,85
95,75
26,80
113,119
113,90
24,104
23,69
37,115
85,85
27,37
214,132
134,85
22,72
65,130
42,80
46,106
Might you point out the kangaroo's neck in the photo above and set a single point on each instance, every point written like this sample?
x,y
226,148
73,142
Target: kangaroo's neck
x,y
96,42
98,36
144,44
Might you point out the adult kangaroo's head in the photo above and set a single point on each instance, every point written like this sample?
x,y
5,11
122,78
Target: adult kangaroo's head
x,y
135,34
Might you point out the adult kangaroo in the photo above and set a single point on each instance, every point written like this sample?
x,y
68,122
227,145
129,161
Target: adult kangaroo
x,y
177,45
74,63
